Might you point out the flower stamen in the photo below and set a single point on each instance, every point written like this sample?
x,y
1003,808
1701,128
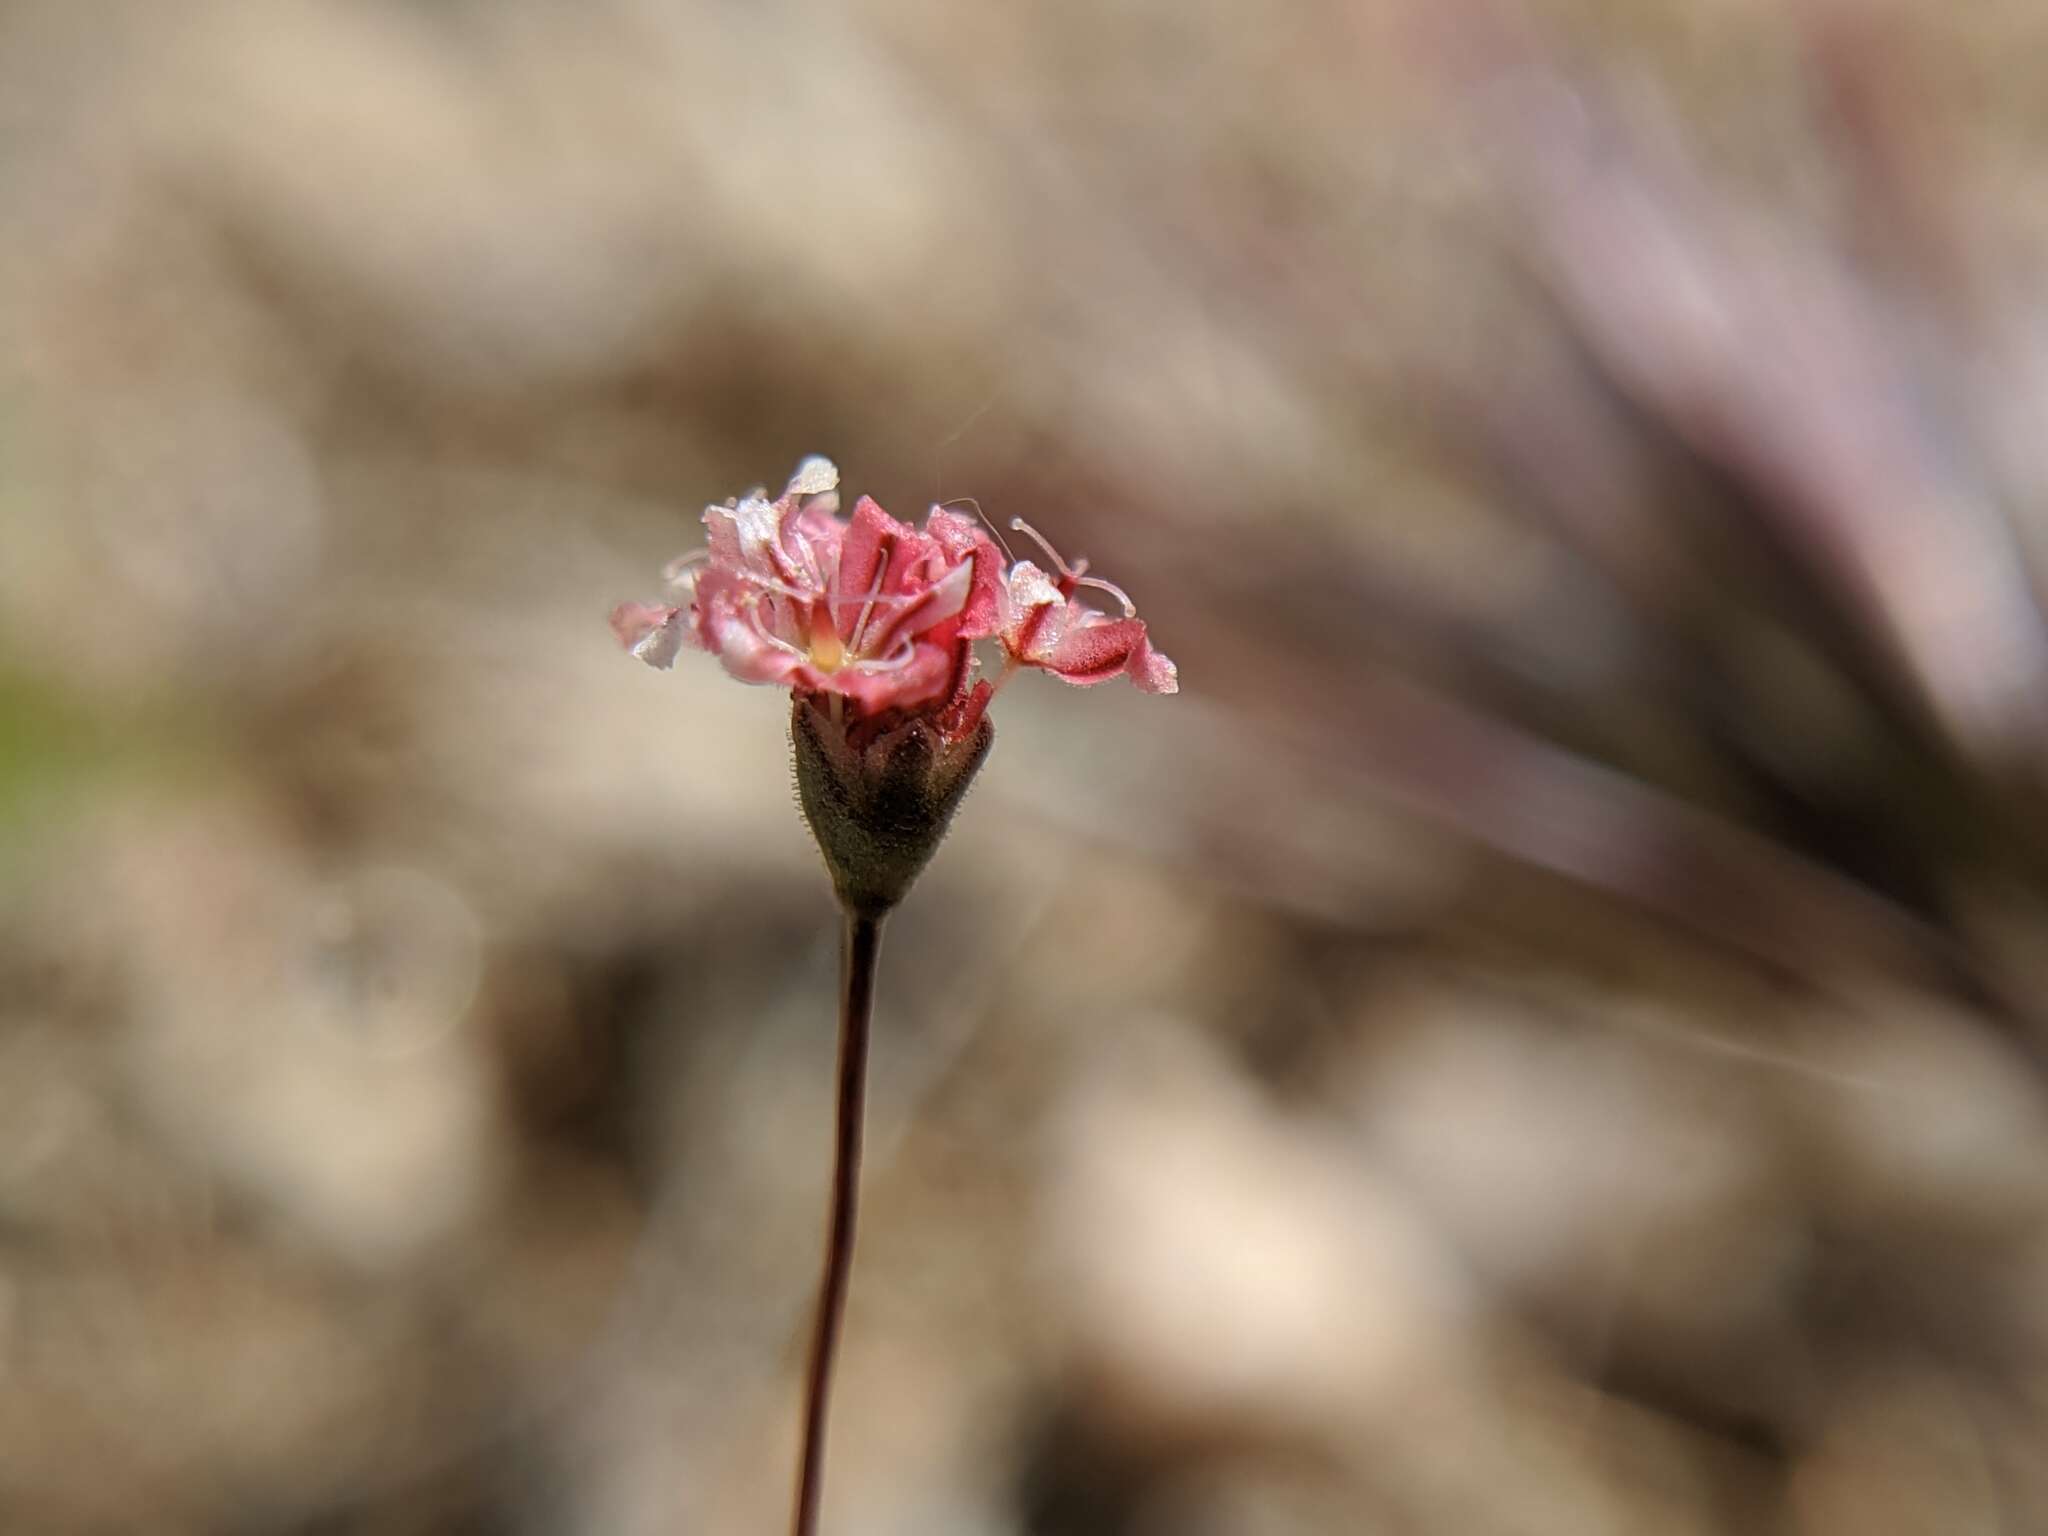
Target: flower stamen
x,y
901,655
1115,591
768,584
867,601
751,606
1009,555
1067,572
683,564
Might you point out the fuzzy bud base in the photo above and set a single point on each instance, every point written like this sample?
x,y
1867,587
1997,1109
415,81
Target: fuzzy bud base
x,y
879,810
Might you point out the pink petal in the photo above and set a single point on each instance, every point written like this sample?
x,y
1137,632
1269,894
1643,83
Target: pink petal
x,y
722,535
962,538
1152,671
726,615
939,603
1095,650
870,543
919,680
742,537
1029,603
816,532
763,540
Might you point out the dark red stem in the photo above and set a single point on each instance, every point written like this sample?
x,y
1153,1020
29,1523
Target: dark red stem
x,y
858,955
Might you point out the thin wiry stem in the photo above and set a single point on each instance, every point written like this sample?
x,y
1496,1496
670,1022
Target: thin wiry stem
x,y
860,951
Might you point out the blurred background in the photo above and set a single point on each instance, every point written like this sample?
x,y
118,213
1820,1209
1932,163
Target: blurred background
x,y
1545,1034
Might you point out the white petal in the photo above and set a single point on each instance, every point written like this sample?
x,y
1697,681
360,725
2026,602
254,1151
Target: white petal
x,y
1030,587
659,647
813,477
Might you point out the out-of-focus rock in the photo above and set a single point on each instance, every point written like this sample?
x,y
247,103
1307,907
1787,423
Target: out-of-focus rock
x,y
306,1041
1225,1267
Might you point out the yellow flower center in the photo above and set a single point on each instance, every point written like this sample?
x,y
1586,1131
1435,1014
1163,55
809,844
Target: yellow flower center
x,y
828,654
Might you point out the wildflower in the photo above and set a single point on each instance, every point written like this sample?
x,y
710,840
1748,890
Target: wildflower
x,y
874,621
871,611
872,624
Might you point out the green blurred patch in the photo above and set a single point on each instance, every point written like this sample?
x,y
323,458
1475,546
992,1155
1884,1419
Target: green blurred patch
x,y
61,746
51,749
61,749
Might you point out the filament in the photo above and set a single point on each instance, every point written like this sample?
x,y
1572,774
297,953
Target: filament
x,y
674,572
751,604
869,600
987,522
1115,591
1067,572
901,654
779,589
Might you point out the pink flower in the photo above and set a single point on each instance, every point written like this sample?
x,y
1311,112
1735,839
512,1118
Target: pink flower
x,y
876,613
1042,626
873,610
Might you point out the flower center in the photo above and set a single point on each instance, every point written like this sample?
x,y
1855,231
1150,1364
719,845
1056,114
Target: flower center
x,y
828,654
